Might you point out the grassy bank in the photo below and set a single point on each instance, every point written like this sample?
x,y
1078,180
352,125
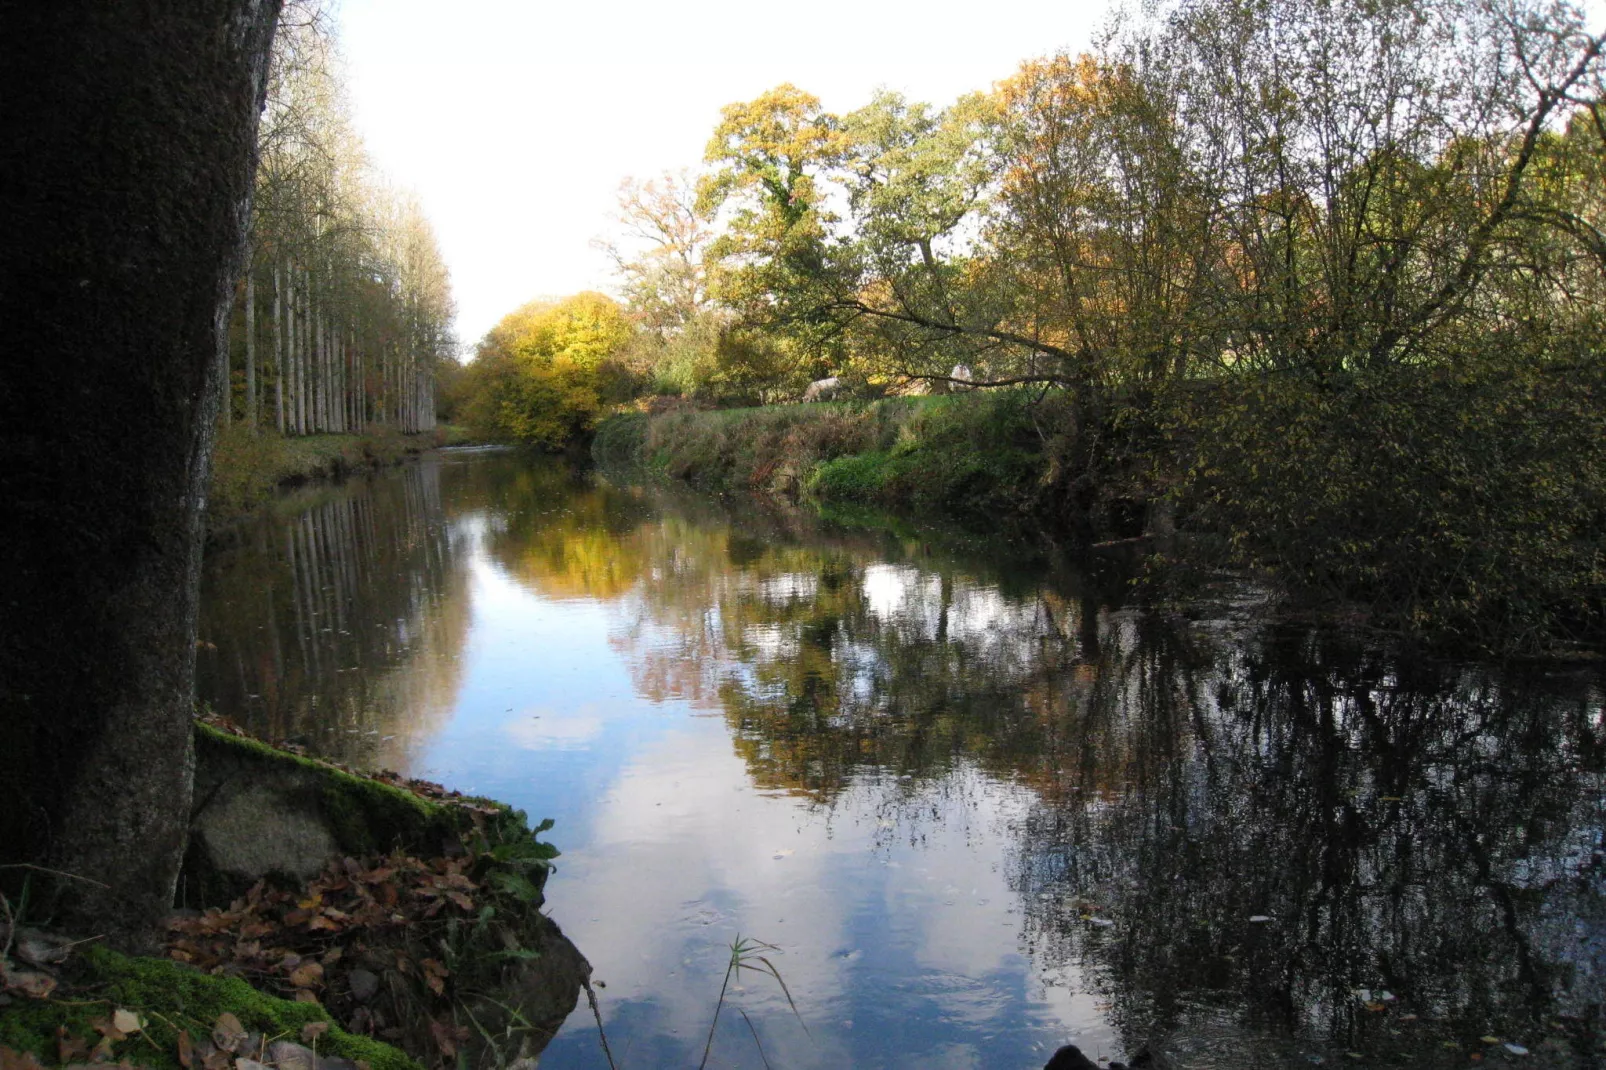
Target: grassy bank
x,y
247,467
976,457
1464,505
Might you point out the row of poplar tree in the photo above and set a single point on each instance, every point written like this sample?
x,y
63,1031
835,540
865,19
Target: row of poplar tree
x,y
345,310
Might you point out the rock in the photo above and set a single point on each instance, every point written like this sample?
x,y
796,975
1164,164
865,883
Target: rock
x,y
236,837
364,985
542,993
1070,1057
288,1055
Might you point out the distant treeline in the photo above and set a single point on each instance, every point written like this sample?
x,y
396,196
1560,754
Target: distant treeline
x,y
345,310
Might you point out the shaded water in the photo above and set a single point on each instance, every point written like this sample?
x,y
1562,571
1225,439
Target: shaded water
x,y
981,806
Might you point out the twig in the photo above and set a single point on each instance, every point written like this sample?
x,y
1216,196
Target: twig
x,y
54,872
601,1033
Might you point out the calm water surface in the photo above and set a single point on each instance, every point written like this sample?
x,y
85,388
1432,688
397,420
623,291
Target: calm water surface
x,y
982,806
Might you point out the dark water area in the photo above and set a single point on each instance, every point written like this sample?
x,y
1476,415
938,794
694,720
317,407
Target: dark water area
x,y
981,802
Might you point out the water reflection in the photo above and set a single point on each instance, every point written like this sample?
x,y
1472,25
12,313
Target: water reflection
x,y
982,803
338,621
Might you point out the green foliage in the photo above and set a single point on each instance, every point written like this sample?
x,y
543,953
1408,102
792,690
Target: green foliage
x,y
1466,502
975,456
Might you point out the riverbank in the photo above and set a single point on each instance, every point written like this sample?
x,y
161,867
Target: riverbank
x,y
1465,507
247,466
971,457
326,918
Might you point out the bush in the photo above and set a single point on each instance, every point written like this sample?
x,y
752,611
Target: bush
x,y
1459,502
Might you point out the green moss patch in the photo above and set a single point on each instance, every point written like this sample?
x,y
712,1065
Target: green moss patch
x,y
170,997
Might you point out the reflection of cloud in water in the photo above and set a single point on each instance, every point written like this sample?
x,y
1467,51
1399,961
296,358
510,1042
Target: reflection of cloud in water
x,y
549,729
926,916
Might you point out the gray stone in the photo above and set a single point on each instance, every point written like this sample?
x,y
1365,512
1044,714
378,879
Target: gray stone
x,y
256,830
288,1055
364,985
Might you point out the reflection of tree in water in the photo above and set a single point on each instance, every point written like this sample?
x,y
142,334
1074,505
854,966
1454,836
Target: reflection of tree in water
x,y
826,659
339,619
1430,832
1433,833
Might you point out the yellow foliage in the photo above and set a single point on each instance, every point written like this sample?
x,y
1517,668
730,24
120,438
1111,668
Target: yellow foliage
x,y
544,373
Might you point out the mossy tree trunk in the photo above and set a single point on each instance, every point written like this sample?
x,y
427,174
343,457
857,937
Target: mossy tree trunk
x,y
125,181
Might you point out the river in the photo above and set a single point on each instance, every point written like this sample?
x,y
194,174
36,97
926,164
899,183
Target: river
x,y
980,802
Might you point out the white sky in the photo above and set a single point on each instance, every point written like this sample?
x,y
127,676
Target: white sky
x,y
515,120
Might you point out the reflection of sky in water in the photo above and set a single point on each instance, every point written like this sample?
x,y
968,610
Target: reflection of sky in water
x,y
960,795
900,936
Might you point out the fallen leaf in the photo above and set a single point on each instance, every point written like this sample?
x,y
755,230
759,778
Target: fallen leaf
x,y
227,1032
69,1049
312,1031
41,949
30,983
186,1050
307,975
108,1029
127,1021
18,1060
443,1037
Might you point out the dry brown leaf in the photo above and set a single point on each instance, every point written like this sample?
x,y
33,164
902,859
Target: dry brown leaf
x,y
18,1060
312,1031
306,995
186,1050
227,1032
30,983
443,1037
307,975
69,1049
127,1022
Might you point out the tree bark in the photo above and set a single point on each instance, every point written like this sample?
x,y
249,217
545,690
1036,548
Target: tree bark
x,y
125,183
278,349
250,347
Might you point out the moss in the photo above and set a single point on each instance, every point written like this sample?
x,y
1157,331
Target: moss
x,y
364,816
171,997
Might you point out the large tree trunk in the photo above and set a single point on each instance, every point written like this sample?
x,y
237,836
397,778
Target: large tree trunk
x,y
125,180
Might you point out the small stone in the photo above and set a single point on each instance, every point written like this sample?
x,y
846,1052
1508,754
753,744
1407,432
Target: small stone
x,y
288,1055
335,1062
364,985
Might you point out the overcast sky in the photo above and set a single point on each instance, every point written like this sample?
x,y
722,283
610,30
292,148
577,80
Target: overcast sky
x,y
515,120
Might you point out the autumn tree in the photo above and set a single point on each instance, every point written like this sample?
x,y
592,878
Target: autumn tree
x,y
771,159
346,308
543,375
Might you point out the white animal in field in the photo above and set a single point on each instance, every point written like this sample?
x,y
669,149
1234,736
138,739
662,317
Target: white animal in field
x,y
823,389
961,376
